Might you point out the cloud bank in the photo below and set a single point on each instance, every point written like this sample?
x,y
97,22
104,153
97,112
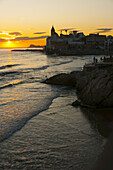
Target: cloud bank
x,y
15,33
2,40
104,30
39,33
29,38
23,38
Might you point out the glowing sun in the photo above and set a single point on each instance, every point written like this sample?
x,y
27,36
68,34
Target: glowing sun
x,y
9,42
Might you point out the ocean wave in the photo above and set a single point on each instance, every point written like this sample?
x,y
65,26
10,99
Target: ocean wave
x,y
8,66
42,68
9,72
20,123
13,73
61,63
51,65
64,62
12,84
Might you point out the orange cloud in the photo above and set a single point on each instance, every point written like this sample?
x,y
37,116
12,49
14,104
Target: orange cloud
x,y
39,33
29,38
15,33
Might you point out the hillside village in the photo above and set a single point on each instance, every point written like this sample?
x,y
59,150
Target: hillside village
x,y
77,43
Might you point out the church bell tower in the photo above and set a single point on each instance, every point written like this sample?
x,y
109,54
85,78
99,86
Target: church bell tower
x,y
52,31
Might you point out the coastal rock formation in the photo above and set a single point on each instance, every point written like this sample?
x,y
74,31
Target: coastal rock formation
x,y
96,88
94,84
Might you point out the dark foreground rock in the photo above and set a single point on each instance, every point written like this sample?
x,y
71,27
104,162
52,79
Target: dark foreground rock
x,y
76,103
94,84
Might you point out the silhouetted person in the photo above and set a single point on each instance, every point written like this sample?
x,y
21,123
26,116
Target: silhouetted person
x,y
101,58
94,59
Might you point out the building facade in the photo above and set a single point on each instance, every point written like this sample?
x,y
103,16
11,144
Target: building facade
x,y
77,43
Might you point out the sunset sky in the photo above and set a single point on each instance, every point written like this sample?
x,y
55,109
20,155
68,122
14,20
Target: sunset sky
x,y
25,22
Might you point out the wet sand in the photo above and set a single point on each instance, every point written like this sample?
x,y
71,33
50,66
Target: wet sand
x,y
60,138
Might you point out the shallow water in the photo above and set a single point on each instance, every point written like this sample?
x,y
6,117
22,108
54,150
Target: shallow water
x,y
22,94
59,136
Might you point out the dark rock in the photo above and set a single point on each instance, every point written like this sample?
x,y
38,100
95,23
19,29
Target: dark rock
x,y
76,103
60,79
94,87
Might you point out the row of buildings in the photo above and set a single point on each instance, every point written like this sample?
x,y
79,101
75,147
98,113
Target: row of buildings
x,y
77,43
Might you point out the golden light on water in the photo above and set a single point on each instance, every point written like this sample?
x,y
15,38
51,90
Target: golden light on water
x,y
10,60
10,63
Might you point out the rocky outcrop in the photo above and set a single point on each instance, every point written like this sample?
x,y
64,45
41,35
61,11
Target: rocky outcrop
x,y
94,85
96,88
60,79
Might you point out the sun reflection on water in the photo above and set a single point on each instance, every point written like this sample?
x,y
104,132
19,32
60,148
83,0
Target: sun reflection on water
x,y
10,62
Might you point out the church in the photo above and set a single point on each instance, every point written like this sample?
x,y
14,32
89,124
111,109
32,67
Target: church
x,y
56,43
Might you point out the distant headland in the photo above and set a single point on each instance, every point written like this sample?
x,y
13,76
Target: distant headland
x,y
35,46
32,48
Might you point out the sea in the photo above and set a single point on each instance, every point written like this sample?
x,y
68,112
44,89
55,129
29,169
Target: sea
x,y
39,127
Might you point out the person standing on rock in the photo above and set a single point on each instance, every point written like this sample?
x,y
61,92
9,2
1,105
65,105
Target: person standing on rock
x,y
94,59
